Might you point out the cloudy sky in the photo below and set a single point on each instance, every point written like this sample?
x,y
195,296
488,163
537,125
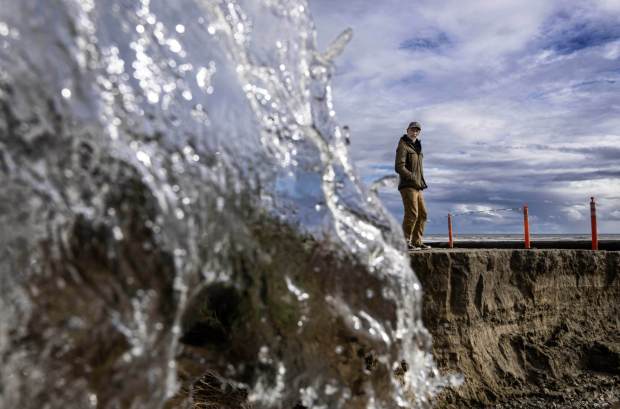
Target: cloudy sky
x,y
519,103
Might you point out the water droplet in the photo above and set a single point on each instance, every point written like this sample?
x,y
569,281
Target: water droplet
x,y
66,93
330,389
144,158
263,354
357,323
202,76
118,233
174,45
153,97
140,29
180,28
4,29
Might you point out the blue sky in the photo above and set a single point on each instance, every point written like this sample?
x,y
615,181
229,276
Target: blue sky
x,y
519,103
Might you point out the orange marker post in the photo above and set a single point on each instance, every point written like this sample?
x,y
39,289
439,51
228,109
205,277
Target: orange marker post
x,y
450,241
593,222
526,227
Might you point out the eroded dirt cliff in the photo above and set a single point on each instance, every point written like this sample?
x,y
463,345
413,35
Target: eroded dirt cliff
x,y
526,328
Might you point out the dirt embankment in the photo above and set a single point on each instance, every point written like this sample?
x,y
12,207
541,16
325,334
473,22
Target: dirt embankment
x,y
526,328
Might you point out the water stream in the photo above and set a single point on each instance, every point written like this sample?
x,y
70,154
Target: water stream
x,y
140,143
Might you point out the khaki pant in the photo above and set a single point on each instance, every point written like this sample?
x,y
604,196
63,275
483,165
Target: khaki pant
x,y
415,215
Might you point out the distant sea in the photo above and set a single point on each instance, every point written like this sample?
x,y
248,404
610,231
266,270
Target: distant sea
x,y
519,237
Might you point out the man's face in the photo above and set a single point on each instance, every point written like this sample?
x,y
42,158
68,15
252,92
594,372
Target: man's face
x,y
413,133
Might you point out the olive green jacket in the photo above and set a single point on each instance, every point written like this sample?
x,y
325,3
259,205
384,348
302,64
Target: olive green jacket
x,y
409,165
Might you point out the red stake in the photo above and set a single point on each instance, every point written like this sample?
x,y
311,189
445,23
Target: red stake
x,y
593,222
526,227
450,241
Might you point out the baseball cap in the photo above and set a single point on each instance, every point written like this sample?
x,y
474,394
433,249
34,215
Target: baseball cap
x,y
414,125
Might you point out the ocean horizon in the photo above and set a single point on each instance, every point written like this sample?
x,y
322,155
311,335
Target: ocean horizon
x,y
518,237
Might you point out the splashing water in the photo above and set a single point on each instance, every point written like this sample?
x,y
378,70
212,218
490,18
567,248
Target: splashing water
x,y
179,211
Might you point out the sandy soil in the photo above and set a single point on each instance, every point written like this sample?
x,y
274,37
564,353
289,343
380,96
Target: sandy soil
x,y
526,328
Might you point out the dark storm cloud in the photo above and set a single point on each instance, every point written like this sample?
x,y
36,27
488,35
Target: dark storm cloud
x,y
569,31
433,42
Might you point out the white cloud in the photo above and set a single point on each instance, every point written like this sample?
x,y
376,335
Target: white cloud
x,y
609,5
465,121
611,51
601,188
575,213
507,111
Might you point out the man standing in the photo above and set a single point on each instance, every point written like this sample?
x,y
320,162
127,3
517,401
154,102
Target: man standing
x,y
409,167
